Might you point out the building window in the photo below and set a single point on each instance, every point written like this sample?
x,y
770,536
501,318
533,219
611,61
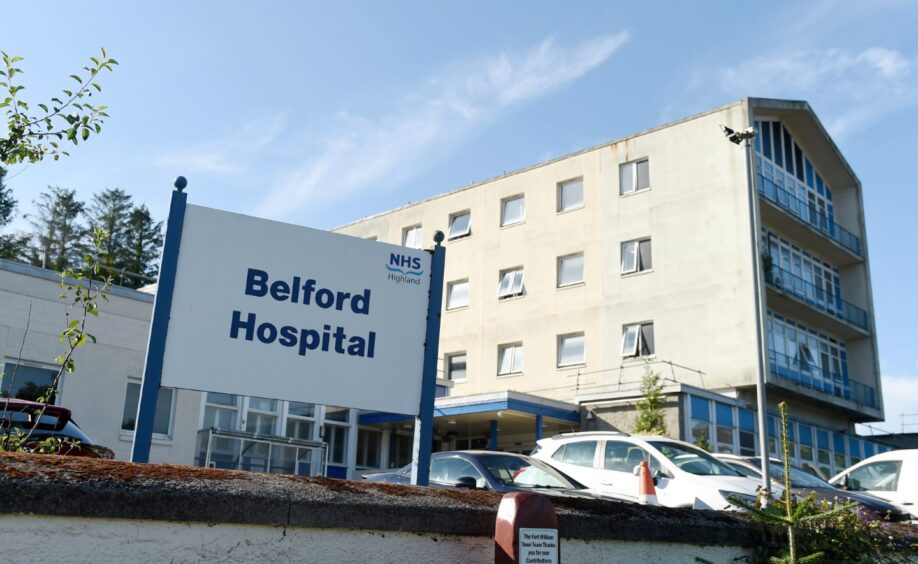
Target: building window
x,y
570,195
221,411
637,340
746,432
634,176
571,349
512,210
457,294
369,442
456,367
162,421
28,382
723,431
570,270
336,431
411,236
510,359
460,225
511,283
262,416
636,256
700,415
300,420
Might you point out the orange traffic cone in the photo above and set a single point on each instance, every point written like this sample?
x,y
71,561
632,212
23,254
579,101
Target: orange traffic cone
x,y
647,494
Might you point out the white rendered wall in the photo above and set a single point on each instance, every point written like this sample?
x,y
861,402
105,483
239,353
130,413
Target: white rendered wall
x,y
31,538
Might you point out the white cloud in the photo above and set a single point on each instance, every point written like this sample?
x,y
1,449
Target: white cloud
x,y
375,153
232,153
851,88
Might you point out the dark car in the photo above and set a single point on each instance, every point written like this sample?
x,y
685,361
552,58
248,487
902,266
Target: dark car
x,y
803,484
490,470
18,417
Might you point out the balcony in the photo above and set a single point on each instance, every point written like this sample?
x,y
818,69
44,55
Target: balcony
x,y
811,376
816,297
843,242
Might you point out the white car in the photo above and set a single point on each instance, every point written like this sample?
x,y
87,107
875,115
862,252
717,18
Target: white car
x,y
685,475
891,475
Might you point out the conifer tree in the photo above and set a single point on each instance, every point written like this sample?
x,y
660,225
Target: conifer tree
x,y
651,419
58,237
13,245
110,211
143,240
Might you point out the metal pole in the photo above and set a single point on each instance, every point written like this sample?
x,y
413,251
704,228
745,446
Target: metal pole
x,y
162,305
423,423
760,331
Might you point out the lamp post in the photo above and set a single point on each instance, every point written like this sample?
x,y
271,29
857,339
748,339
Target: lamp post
x,y
745,138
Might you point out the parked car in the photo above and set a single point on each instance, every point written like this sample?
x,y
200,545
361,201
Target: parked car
x,y
891,475
804,484
489,470
19,416
684,475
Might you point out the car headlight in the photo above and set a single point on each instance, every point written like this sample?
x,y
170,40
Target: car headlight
x,y
745,498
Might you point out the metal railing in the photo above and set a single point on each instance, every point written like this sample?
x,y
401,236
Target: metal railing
x,y
236,450
808,214
816,296
811,376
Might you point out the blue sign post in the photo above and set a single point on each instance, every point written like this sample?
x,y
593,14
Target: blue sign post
x,y
162,304
423,423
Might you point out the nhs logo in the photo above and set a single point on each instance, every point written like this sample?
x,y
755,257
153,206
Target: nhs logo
x,y
404,269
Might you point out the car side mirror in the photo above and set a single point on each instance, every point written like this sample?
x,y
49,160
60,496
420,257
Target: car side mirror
x,y
467,482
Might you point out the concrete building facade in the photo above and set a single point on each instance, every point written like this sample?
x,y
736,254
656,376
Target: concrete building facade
x,y
565,282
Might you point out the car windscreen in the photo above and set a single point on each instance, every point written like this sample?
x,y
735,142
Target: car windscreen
x,y
798,478
692,459
524,472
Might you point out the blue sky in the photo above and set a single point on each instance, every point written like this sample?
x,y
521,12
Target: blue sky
x,y
319,114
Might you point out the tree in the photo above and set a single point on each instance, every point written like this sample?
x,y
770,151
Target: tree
x,y
144,239
12,247
651,419
32,135
109,211
58,239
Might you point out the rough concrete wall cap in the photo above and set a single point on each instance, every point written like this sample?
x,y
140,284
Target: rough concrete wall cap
x,y
71,486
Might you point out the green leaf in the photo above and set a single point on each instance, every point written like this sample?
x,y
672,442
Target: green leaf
x,y
85,134
97,87
68,93
43,107
76,78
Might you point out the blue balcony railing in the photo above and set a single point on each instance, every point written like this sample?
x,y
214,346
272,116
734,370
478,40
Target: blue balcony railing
x,y
816,296
808,214
812,376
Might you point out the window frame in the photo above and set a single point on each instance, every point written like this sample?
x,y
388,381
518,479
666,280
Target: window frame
x,y
559,204
419,227
637,348
639,258
503,210
449,366
634,188
558,344
509,293
558,269
449,292
171,423
515,348
450,236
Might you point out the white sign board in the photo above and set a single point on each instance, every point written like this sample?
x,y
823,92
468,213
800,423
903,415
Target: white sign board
x,y
538,546
274,310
